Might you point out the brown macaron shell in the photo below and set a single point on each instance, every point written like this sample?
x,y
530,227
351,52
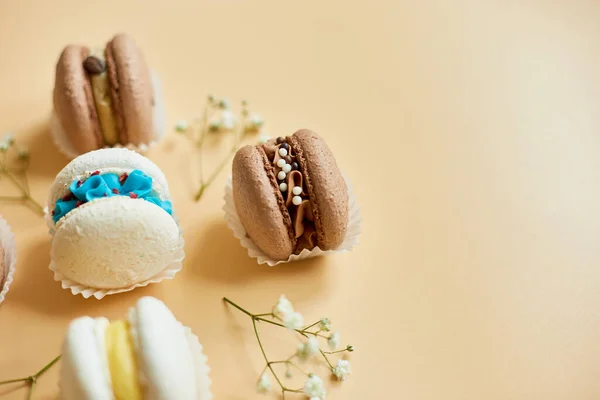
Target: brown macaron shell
x,y
74,102
326,187
131,90
260,205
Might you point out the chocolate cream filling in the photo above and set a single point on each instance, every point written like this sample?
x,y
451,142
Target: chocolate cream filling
x,y
303,221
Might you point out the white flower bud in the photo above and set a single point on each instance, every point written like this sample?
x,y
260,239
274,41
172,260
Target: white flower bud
x,y
264,384
181,126
325,323
313,387
294,320
334,340
341,369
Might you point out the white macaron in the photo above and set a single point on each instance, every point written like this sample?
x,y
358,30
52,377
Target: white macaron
x,y
111,220
150,356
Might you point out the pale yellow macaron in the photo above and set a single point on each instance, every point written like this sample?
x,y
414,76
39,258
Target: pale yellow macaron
x,y
148,356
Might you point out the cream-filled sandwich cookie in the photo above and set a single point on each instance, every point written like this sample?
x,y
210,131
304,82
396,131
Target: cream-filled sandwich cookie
x,y
105,97
148,356
290,195
112,222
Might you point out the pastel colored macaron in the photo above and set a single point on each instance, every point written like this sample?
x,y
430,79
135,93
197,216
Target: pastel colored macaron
x,y
290,195
112,221
150,355
105,97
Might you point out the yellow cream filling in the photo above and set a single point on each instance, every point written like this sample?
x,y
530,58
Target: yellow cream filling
x,y
121,362
101,92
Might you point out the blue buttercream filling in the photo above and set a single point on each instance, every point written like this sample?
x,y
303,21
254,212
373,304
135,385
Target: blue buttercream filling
x,y
137,185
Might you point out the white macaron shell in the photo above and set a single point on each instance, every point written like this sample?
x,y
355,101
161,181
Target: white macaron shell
x,y
166,362
115,242
116,160
84,373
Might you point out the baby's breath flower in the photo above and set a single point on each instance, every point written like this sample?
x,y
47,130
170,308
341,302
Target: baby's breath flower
x,y
227,119
23,154
8,138
262,139
264,384
325,324
294,320
283,307
334,340
350,348
224,104
4,147
313,387
255,122
341,369
181,126
214,125
311,347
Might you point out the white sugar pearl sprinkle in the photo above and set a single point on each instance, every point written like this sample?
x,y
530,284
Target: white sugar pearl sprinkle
x,y
297,200
281,163
282,152
283,187
297,190
281,175
287,168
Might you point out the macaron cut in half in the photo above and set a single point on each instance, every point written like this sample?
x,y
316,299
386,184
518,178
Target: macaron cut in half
x,y
290,195
148,356
105,97
112,222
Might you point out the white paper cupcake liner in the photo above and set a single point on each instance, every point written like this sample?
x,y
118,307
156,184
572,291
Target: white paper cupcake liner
x,y
76,288
234,223
7,241
201,362
62,142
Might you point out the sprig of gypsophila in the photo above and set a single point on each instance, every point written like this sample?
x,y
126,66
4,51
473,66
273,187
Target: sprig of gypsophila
x,y
217,118
283,315
31,380
16,174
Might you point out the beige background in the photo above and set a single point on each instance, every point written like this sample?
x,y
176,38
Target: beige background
x,y
470,130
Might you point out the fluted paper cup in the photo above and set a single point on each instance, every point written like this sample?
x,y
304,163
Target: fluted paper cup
x,y
7,241
234,223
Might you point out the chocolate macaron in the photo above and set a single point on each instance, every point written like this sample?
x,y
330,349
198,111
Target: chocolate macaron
x,y
106,97
290,195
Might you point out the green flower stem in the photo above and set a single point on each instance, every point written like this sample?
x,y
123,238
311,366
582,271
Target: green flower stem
x,y
262,349
310,326
259,317
289,362
335,352
204,184
32,380
265,315
26,196
255,318
326,359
